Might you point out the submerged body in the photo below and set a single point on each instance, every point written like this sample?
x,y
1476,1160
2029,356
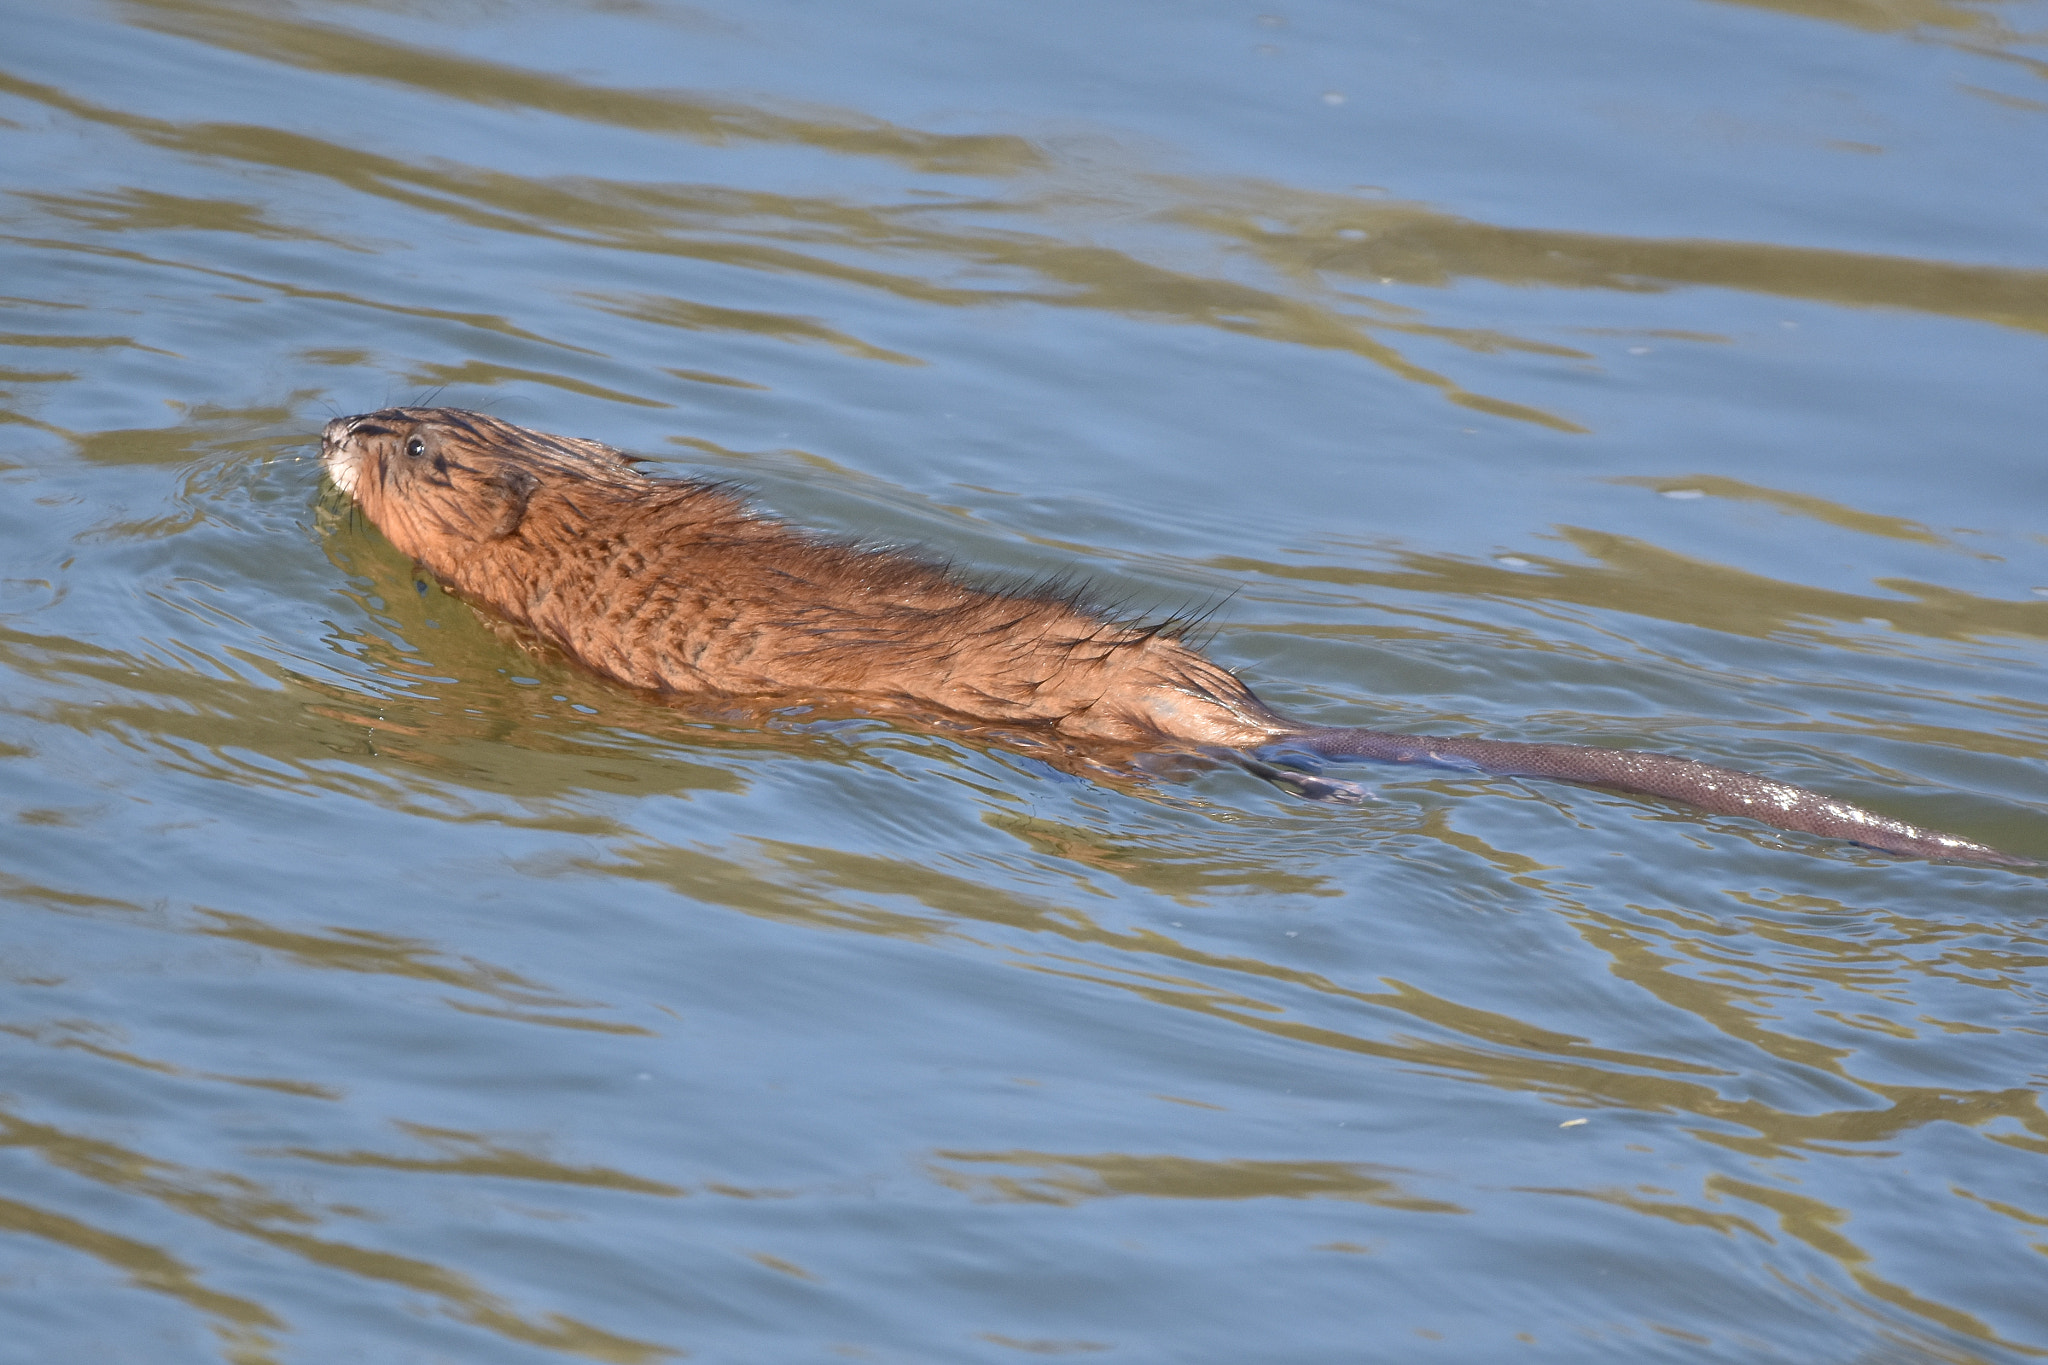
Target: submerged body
x,y
675,586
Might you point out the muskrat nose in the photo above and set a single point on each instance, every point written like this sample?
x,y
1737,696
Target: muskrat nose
x,y
334,433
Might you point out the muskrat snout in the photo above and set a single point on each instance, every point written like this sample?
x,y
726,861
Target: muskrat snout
x,y
342,453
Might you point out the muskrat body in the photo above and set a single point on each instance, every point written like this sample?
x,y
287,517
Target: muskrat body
x,y
675,586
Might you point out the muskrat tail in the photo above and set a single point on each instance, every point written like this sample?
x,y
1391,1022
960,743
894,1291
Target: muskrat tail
x,y
1719,790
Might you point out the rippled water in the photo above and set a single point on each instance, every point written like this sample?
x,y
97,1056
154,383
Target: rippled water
x,y
1663,373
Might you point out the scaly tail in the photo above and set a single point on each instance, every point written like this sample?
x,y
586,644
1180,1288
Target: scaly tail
x,y
1678,779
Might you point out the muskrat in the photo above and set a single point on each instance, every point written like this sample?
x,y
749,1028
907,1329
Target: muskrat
x,y
675,586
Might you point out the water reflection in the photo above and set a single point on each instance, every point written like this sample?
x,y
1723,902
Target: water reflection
x,y
246,1328
337,912
1818,1224
1067,1179
1824,510
1185,871
1410,244
1315,249
1627,574
344,51
236,1204
479,1154
1947,21
97,1040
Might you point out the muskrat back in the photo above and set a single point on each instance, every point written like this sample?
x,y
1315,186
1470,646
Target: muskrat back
x,y
674,585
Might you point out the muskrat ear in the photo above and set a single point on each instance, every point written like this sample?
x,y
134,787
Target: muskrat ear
x,y
511,489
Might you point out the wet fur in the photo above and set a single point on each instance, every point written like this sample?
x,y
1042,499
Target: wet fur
x,y
675,586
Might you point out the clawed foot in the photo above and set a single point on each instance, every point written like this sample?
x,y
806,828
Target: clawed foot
x,y
1295,773
1327,789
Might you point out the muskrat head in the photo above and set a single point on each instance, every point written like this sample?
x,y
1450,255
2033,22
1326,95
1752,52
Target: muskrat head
x,y
435,480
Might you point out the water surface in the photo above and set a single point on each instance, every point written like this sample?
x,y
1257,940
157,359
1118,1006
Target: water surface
x,y
1667,374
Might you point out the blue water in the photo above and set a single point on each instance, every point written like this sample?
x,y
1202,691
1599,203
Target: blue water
x,y
1666,374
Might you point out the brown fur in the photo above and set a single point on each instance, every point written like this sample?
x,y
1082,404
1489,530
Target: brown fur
x,y
675,586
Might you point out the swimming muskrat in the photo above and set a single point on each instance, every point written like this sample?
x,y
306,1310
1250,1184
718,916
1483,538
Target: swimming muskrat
x,y
675,586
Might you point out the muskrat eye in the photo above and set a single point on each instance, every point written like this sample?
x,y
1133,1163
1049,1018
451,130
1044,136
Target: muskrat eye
x,y
416,447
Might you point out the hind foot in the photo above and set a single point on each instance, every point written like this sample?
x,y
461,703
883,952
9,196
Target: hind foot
x,y
1327,789
1288,775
